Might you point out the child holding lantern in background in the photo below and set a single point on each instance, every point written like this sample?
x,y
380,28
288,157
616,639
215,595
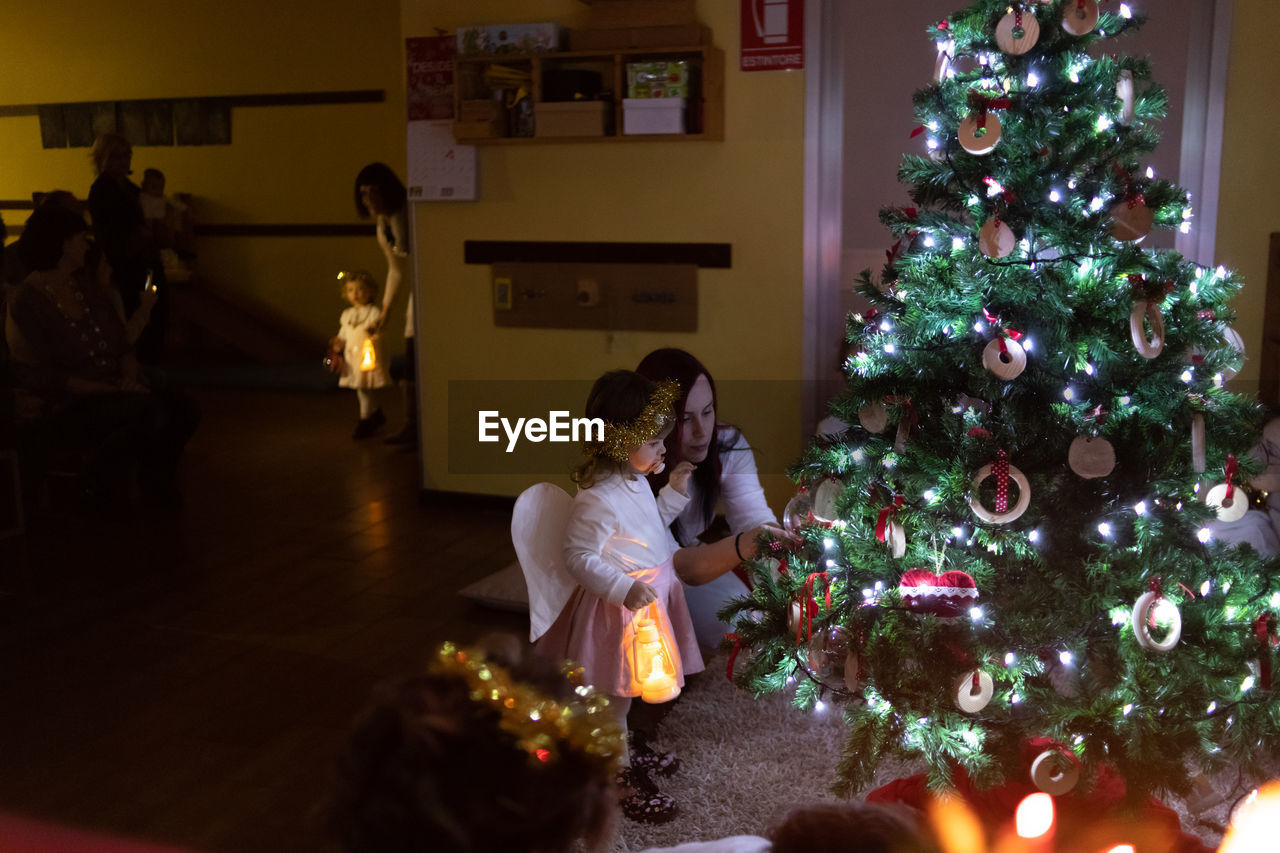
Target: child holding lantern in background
x,y
622,599
356,353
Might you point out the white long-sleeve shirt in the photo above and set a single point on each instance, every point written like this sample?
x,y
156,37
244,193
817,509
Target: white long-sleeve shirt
x,y
741,495
617,527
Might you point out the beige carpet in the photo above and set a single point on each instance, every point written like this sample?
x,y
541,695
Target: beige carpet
x,y
747,762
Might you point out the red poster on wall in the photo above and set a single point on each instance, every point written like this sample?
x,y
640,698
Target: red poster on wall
x,y
430,76
772,35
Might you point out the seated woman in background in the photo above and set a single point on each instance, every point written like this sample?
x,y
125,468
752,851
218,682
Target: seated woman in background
x,y
76,380
725,475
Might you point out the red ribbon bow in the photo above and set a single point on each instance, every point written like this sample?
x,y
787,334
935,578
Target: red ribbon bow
x,y
1008,195
1262,632
944,25
809,605
1000,468
882,523
1151,290
982,104
1003,332
1230,470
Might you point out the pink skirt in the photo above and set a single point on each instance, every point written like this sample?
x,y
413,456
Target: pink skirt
x,y
601,636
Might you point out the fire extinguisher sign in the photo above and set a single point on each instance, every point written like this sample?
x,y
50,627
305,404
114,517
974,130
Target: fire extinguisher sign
x,y
772,35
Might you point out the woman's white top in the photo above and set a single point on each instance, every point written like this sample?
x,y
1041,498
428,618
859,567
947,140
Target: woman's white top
x,y
616,527
741,495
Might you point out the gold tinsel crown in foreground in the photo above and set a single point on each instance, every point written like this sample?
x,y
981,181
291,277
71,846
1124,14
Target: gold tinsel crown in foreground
x,y
543,727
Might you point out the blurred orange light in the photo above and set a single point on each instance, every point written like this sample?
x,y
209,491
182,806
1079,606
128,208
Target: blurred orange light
x,y
1034,817
955,826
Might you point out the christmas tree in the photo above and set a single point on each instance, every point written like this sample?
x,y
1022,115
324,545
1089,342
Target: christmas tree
x,y
1011,544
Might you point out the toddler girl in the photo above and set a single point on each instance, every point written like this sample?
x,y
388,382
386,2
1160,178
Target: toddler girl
x,y
363,366
618,551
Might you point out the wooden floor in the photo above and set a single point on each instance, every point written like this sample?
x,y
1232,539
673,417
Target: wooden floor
x,y
187,676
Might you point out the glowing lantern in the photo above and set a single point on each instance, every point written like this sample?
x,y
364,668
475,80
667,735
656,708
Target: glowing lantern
x,y
1253,823
654,666
368,359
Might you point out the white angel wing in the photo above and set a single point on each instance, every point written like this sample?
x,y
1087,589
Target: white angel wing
x,y
537,530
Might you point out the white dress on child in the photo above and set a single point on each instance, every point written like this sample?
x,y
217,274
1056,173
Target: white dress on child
x,y
353,329
616,535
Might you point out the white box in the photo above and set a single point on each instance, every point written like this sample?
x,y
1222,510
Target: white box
x,y
652,115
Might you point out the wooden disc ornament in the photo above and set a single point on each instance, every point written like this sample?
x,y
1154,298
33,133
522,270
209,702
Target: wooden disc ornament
x,y
995,239
1017,32
1131,220
1150,311
974,691
1079,17
1054,772
1197,443
1005,362
824,500
1230,508
979,134
895,536
1124,92
1233,339
946,56
874,417
1091,457
1015,512
1143,619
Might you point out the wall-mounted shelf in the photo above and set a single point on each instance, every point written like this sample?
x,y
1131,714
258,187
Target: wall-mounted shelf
x,y
478,124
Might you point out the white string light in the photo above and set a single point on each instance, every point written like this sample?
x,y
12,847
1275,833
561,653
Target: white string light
x,y
1140,508
1105,529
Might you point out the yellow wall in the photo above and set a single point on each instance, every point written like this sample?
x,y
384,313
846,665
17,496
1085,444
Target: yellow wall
x,y
746,191
1249,200
285,164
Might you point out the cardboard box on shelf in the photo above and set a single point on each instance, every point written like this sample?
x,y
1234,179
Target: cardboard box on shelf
x,y
509,38
658,79
612,14
681,35
652,115
482,129
480,110
569,118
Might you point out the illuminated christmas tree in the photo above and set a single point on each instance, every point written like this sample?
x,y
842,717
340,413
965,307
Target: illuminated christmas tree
x,y
1011,543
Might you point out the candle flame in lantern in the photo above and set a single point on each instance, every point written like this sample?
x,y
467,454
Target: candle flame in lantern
x,y
368,361
1254,824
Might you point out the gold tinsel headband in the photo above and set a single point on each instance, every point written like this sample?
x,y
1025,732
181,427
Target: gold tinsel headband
x,y
620,439
543,727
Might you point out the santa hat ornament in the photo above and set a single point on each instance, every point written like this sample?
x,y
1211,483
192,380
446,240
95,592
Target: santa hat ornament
x,y
947,596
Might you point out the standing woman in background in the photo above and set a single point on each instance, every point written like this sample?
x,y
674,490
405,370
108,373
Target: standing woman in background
x,y
122,235
380,194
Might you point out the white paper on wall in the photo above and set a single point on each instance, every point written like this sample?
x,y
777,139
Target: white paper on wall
x,y
439,169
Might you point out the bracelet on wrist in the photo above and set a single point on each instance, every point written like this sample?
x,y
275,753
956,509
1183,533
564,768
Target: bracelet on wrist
x,y
737,547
